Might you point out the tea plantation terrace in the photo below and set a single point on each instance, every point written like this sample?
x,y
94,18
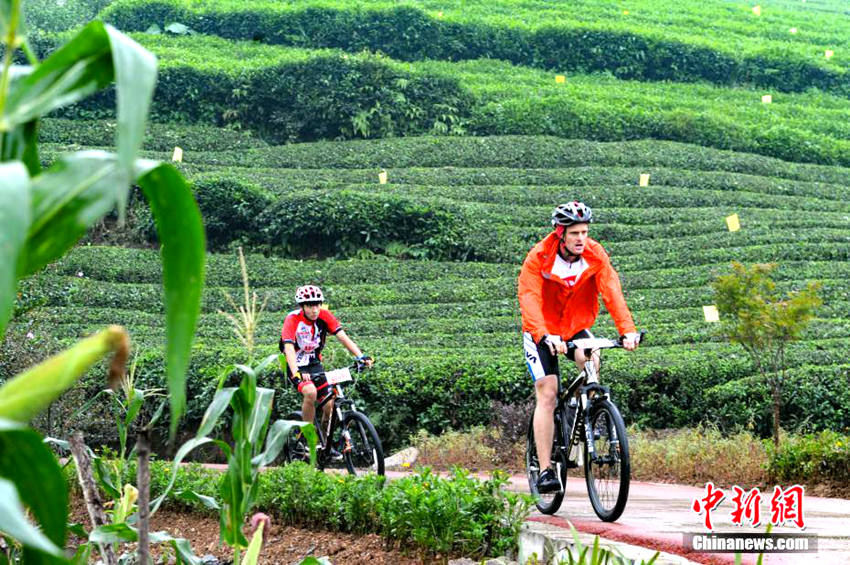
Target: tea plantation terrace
x,y
446,332
296,94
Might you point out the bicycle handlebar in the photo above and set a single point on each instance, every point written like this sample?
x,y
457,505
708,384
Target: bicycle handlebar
x,y
611,342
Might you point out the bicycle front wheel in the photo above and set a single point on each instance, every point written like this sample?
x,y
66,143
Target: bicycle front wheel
x,y
608,470
363,452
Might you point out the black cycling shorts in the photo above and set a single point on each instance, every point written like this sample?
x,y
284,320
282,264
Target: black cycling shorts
x,y
540,360
316,371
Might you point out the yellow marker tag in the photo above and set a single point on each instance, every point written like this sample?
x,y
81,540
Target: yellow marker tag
x,y
733,223
560,79
625,12
382,177
828,53
792,30
757,10
767,99
439,14
711,314
177,155
644,179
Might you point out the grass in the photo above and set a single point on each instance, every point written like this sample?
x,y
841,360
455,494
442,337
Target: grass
x,y
689,456
698,455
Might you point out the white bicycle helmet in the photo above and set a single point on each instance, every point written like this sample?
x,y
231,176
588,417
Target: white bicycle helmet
x,y
572,213
309,293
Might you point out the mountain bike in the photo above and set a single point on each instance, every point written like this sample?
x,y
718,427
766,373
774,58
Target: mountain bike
x,y
348,430
589,433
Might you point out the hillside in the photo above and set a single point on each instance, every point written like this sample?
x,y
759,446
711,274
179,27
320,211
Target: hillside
x,y
447,333
479,141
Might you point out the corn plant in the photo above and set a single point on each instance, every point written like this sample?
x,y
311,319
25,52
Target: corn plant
x,y
247,319
255,445
43,213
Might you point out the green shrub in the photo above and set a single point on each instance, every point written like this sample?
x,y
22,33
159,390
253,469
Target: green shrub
x,y
342,223
230,210
55,16
577,44
812,459
813,398
159,137
292,95
454,515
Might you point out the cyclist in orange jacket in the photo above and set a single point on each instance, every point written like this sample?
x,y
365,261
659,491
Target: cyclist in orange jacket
x,y
559,285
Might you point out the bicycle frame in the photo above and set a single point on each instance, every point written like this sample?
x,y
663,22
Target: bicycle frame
x,y
582,386
340,401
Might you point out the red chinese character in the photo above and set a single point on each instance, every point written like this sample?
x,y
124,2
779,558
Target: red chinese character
x,y
712,499
787,505
749,506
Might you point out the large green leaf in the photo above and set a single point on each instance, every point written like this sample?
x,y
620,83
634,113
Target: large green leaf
x,y
216,408
21,144
113,533
120,533
27,394
192,496
13,522
276,440
79,68
15,219
179,227
28,465
259,419
135,77
252,554
184,450
67,199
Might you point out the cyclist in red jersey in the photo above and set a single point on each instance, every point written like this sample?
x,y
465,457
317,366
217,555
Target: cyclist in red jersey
x,y
302,340
559,287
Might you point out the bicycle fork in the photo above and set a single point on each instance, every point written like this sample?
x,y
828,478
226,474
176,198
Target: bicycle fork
x,y
346,435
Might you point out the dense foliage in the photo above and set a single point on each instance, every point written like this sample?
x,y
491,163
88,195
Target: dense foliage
x,y
446,334
458,514
733,46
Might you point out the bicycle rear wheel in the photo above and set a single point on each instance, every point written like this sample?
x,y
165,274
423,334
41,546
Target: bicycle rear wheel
x,y
608,471
547,503
364,454
296,447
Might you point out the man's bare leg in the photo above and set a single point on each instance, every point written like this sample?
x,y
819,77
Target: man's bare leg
x,y
546,390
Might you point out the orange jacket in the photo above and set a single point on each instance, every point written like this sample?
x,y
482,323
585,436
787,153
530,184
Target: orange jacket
x,y
550,306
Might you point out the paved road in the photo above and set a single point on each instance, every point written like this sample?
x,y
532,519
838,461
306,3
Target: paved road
x,y
657,516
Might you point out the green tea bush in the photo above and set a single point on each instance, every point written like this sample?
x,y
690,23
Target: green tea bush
x,y
230,210
813,398
410,34
159,137
822,458
61,15
293,95
343,223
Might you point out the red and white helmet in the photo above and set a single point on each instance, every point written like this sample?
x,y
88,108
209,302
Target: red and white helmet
x,y
309,293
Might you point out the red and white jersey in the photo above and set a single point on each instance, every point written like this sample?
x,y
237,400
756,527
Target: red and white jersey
x,y
308,337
